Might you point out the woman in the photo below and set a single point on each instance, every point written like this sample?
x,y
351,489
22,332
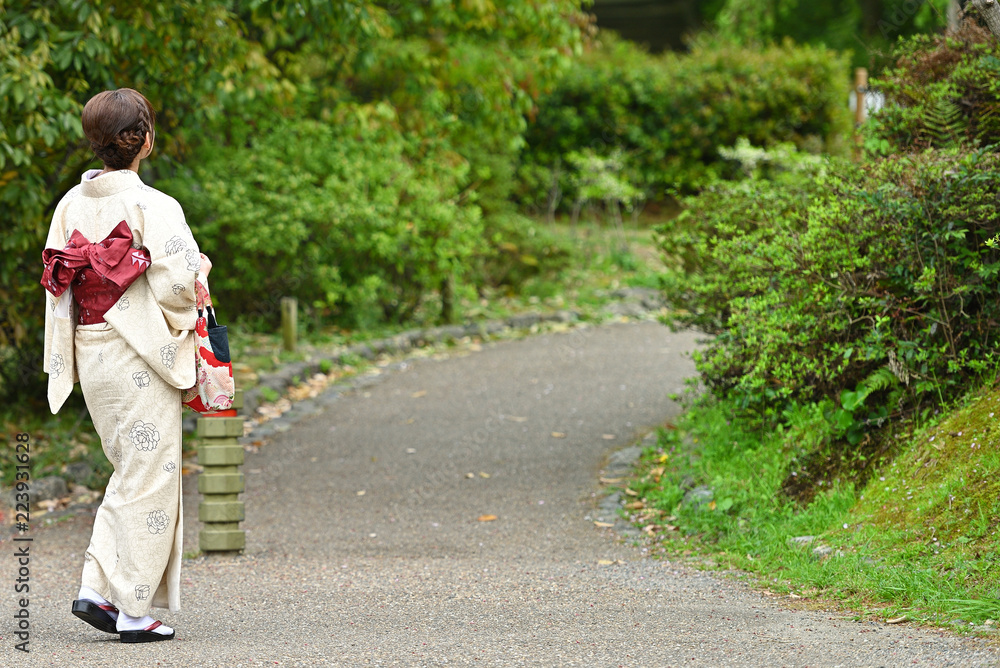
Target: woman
x,y
120,266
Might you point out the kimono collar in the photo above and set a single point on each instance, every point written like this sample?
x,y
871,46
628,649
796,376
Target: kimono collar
x,y
108,184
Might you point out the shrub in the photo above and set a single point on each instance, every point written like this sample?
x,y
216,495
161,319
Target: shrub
x,y
668,114
869,286
943,91
351,216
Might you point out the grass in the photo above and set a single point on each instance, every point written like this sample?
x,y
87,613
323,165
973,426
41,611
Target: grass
x,y
920,540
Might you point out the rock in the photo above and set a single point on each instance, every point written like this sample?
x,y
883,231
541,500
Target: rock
x,y
494,327
627,309
360,350
699,496
566,316
452,332
622,461
609,506
524,321
822,551
78,472
49,487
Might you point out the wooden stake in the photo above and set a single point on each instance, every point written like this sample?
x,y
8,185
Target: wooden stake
x,y
860,89
289,322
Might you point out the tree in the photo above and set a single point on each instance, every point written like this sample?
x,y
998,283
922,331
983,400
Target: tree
x,y
988,11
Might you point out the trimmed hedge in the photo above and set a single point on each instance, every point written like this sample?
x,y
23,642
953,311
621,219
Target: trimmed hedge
x,y
668,115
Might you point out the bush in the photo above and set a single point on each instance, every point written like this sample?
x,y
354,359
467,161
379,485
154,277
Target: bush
x,y
868,286
351,216
942,92
668,114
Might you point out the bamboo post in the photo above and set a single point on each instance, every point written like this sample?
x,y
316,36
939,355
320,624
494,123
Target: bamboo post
x,y
860,89
289,322
221,481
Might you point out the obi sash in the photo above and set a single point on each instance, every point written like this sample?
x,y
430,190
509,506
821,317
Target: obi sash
x,y
100,272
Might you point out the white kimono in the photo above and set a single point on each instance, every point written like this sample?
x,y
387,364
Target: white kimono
x,y
132,369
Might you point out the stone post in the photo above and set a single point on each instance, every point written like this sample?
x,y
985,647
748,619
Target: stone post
x,y
221,480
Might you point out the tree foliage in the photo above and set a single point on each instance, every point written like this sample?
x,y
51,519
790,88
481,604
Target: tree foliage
x,y
222,74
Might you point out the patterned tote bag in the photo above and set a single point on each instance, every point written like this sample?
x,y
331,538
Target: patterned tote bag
x,y
214,390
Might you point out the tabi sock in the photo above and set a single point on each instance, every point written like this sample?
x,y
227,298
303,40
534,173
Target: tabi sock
x,y
88,594
129,623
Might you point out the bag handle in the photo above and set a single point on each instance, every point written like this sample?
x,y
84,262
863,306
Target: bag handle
x,y
202,297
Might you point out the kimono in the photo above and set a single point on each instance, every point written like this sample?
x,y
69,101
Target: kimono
x,y
132,369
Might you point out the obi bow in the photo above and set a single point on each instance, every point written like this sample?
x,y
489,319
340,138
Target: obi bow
x,y
113,259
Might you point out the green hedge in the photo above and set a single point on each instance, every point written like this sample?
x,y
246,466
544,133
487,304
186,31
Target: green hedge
x,y
352,216
868,287
668,115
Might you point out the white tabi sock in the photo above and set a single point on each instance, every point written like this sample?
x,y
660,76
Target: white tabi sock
x,y
129,623
88,594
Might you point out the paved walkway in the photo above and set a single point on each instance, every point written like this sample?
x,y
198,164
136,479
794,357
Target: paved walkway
x,y
364,547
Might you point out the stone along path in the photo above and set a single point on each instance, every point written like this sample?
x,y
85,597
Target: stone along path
x,y
365,547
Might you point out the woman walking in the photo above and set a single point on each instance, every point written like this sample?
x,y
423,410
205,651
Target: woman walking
x,y
120,266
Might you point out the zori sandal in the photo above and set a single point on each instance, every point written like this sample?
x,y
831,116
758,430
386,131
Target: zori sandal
x,y
96,615
146,635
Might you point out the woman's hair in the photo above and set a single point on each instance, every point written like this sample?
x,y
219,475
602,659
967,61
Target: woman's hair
x,y
116,123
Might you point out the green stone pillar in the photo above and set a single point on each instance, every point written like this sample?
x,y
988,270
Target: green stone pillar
x,y
221,481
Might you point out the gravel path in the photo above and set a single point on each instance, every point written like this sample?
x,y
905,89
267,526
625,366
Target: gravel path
x,y
364,546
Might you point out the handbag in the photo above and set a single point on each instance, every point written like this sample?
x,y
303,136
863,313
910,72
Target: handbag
x,y
214,388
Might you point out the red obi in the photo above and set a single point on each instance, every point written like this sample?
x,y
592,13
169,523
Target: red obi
x,y
99,272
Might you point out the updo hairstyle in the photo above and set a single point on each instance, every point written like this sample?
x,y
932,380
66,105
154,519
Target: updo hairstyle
x,y
116,123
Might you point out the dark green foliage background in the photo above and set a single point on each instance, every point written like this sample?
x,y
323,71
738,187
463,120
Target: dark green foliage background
x,y
371,159
669,114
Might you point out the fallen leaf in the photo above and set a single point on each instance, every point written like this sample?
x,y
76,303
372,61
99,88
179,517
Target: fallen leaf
x,y
411,451
711,505
558,434
605,562
610,481
484,475
662,458
516,419
470,475
635,505
603,525
608,437
896,620
650,529
631,492
361,492
486,518
418,394
670,527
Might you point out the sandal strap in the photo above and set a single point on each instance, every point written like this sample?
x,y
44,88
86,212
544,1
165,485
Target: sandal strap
x,y
154,625
107,607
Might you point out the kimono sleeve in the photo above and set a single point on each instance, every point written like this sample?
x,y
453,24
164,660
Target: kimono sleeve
x,y
58,357
175,261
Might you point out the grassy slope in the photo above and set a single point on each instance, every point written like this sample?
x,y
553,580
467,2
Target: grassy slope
x,y
919,541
